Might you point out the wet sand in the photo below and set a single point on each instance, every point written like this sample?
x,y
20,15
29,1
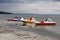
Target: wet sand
x,y
23,33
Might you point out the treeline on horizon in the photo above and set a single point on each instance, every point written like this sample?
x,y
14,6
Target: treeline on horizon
x,y
1,12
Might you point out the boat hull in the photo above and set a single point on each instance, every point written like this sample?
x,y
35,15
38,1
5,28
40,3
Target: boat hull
x,y
47,24
12,20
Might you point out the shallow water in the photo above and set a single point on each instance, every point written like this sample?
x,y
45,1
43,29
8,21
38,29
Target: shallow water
x,y
52,31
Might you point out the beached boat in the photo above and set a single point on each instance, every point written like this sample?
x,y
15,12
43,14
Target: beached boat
x,y
14,19
48,22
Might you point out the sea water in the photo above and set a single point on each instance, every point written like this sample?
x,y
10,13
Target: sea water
x,y
53,31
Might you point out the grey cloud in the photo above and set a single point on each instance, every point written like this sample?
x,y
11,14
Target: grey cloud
x,y
31,8
22,1
10,1
56,0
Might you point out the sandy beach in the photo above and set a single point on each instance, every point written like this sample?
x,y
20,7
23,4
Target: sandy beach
x,y
7,33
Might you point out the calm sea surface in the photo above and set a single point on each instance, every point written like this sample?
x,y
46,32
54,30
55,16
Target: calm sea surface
x,y
53,31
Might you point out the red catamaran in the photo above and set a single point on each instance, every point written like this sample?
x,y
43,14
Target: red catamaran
x,y
48,21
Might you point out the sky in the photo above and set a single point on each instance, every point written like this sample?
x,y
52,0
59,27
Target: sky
x,y
31,6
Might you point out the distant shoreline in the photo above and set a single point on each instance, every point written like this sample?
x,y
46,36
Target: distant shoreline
x,y
2,12
5,12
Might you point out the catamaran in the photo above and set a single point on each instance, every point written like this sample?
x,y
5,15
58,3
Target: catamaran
x,y
14,19
31,20
48,21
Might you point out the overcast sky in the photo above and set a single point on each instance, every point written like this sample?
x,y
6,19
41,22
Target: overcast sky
x,y
31,6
